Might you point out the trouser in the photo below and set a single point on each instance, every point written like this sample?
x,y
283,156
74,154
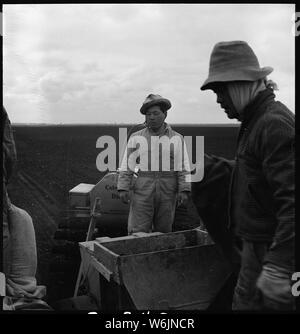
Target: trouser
x,y
20,256
246,294
153,203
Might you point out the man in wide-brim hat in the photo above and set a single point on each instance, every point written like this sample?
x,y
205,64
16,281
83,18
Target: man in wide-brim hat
x,y
261,192
153,195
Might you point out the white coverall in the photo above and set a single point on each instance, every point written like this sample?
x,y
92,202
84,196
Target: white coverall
x,y
154,192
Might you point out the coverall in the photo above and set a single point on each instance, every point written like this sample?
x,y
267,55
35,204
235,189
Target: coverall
x,y
154,192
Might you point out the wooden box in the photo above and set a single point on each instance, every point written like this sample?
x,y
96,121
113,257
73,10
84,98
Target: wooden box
x,y
178,270
79,196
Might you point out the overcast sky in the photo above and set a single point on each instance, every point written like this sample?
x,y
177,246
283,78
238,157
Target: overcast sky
x,y
96,63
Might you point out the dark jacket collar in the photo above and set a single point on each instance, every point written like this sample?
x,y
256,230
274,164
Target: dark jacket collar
x,y
257,107
255,110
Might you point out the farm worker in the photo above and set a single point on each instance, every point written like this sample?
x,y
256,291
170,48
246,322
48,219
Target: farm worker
x,y
162,180
19,244
261,189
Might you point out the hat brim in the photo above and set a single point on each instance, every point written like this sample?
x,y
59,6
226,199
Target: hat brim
x,y
165,102
238,75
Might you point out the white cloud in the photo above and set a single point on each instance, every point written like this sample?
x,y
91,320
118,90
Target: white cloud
x,y
97,63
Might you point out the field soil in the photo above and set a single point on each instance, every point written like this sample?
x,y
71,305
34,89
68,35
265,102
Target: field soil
x,y
52,159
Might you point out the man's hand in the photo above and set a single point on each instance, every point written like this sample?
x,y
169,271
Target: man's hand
x,y
275,285
183,198
124,195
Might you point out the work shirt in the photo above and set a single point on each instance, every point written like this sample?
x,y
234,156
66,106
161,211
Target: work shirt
x,y
143,154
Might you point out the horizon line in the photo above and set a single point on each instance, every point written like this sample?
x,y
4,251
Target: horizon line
x,y
114,124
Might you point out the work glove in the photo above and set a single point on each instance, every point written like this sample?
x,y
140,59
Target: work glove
x,y
275,285
183,198
124,195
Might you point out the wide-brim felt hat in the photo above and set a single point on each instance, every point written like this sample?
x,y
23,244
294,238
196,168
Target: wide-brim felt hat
x,y
234,61
155,99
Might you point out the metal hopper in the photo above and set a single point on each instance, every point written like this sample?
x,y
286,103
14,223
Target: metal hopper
x,y
180,270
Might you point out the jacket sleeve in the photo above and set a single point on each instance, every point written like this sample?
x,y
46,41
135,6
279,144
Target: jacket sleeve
x,y
211,198
9,157
125,173
215,183
184,179
279,168
9,147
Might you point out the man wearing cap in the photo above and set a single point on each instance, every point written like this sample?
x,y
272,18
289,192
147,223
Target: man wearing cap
x,y
153,194
261,187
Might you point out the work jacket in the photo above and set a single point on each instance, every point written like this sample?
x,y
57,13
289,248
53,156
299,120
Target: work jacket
x,y
9,156
259,183
262,198
9,148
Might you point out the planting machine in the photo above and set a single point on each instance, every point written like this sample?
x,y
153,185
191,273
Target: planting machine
x,y
97,266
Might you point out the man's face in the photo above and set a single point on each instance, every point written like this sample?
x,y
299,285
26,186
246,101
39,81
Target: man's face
x,y
155,117
224,99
